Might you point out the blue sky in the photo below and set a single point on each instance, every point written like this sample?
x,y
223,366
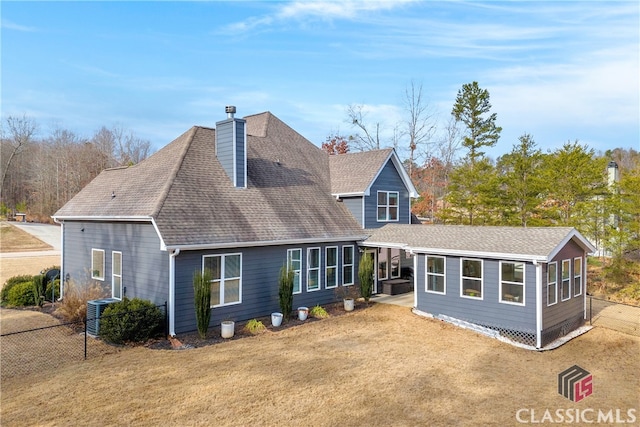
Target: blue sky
x,y
559,71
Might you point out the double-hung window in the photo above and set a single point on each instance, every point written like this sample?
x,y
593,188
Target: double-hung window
x,y
565,289
294,262
347,265
97,264
577,277
313,269
388,205
331,267
512,282
226,278
552,283
116,275
471,273
435,274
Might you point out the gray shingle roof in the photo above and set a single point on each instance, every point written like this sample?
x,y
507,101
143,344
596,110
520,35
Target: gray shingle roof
x,y
353,173
193,202
539,243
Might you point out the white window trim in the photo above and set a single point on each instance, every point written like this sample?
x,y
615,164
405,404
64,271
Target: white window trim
x,y
114,275
223,279
386,270
575,275
524,274
390,261
555,282
310,269
378,206
353,254
103,265
569,284
289,252
462,277
427,274
327,267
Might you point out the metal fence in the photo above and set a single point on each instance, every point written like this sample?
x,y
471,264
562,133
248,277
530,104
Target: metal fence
x,y
50,347
614,315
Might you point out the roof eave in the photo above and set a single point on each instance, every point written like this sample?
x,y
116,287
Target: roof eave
x,y
228,245
459,252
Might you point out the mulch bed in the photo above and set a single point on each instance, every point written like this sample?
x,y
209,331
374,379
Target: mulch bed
x,y
192,339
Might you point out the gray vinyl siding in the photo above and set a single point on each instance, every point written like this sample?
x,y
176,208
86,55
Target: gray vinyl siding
x,y
226,145
354,205
563,310
145,268
260,271
488,311
388,180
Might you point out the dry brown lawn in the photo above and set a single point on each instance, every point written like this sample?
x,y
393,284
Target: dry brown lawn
x,y
12,239
378,366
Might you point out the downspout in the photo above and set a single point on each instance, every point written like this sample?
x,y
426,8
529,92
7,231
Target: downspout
x,y
538,304
61,276
172,291
584,286
415,278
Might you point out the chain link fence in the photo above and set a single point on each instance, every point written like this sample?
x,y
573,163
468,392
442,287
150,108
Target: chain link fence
x,y
614,315
46,348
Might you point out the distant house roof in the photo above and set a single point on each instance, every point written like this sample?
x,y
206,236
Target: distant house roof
x,y
517,243
352,174
184,190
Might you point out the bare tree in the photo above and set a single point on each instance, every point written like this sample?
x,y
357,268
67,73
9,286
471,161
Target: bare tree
x,y
370,137
20,133
419,125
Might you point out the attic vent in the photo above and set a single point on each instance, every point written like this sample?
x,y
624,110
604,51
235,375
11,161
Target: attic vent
x,y
230,110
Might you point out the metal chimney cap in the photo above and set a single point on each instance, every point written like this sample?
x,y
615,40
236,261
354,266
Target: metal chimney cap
x,y
230,110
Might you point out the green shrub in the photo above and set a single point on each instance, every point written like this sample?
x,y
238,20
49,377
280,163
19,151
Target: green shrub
x,y
53,286
39,288
285,291
202,300
130,320
21,294
4,294
365,274
254,327
318,312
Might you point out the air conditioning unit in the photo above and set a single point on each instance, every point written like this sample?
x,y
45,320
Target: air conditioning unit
x,y
95,308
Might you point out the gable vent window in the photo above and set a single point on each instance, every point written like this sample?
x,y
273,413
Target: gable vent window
x,y
388,205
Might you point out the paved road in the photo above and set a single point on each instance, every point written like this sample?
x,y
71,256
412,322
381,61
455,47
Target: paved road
x,y
50,234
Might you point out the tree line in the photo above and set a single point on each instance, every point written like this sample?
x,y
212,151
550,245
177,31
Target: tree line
x,y
40,174
459,184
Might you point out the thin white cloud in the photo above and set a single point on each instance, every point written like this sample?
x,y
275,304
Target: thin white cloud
x,y
323,10
8,25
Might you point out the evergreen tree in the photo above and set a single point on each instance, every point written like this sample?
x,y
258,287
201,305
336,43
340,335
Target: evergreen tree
x,y
521,184
471,106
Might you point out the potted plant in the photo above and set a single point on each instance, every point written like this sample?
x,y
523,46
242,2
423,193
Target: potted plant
x,y
348,295
276,319
227,328
303,313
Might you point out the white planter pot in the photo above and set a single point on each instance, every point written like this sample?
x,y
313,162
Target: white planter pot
x,y
303,312
349,304
227,329
276,319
